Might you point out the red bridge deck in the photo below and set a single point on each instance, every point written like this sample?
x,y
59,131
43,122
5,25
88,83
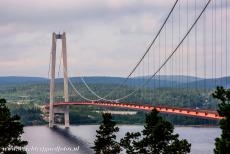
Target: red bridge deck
x,y
180,111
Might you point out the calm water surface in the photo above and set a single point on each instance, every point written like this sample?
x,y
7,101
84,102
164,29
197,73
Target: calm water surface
x,y
48,141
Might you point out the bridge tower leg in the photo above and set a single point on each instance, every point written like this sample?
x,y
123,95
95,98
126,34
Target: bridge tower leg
x,y
52,80
65,71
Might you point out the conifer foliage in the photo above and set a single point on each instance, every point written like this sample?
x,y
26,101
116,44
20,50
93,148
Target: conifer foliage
x,y
10,132
105,142
222,145
157,137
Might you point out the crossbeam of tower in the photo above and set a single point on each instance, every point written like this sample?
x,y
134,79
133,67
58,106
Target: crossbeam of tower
x,y
52,111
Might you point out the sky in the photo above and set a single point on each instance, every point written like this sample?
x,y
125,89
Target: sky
x,y
104,37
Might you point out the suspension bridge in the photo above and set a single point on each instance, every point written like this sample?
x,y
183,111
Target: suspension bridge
x,y
188,44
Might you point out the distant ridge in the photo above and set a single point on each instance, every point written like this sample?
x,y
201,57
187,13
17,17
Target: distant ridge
x,y
175,78
20,79
165,81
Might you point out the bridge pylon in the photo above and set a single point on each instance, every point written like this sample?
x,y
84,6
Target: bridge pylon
x,y
52,111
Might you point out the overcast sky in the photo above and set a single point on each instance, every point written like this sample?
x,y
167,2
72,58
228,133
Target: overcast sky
x,y
104,37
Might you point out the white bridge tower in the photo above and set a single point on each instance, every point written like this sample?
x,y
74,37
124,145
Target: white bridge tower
x,y
53,110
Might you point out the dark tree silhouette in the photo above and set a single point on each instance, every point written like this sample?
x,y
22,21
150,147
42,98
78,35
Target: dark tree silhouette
x,y
105,142
222,145
157,137
10,131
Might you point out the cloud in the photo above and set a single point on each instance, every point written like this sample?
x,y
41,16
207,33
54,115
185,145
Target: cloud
x,y
104,37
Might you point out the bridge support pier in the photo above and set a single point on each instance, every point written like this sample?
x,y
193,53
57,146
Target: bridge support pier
x,y
66,117
52,80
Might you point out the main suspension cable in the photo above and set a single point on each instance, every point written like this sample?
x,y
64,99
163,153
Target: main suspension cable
x,y
141,59
171,55
148,49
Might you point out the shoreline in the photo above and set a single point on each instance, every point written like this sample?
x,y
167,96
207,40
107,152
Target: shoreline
x,y
197,126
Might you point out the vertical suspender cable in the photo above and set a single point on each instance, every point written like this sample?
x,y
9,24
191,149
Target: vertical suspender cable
x,y
187,52
165,71
143,77
204,52
139,83
196,45
159,57
182,52
49,66
48,75
153,69
154,79
215,44
196,85
226,39
148,96
187,58
179,54
212,40
172,49
221,41
133,85
60,62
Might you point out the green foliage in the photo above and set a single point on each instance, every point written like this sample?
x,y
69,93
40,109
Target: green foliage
x,y
105,142
131,142
11,130
77,118
186,120
29,113
223,143
157,137
38,94
29,116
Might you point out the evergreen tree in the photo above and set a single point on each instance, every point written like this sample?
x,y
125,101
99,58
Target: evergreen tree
x,y
131,142
222,145
157,138
10,131
105,142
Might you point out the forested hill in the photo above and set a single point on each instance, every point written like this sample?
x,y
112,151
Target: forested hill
x,y
165,81
20,80
25,94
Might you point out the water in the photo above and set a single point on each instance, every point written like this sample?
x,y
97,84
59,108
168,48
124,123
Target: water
x,y
49,141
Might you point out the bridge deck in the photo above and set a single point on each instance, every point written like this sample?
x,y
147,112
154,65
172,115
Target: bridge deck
x,y
172,110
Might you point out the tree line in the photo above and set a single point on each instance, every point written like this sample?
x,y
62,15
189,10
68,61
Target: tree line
x,y
157,137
